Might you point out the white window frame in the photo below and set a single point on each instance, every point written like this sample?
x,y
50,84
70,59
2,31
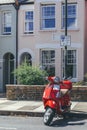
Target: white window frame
x,y
43,18
7,22
28,31
70,16
49,62
70,63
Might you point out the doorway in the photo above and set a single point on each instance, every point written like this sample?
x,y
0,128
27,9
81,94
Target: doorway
x,y
8,68
26,57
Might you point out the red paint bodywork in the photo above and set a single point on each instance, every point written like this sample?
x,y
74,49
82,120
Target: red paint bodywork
x,y
50,98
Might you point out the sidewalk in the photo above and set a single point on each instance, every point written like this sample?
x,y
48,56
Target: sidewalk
x,y
36,108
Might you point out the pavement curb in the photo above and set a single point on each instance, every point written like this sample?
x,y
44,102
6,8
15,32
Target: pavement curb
x,y
72,114
21,113
36,108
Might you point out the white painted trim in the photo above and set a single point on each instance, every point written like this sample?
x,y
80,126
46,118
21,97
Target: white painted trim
x,y
47,45
57,45
74,79
25,50
25,32
76,45
27,7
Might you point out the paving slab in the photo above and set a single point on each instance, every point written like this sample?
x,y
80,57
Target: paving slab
x,y
80,106
35,108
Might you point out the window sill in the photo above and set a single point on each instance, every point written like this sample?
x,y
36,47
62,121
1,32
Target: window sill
x,y
28,34
74,80
5,35
71,29
48,30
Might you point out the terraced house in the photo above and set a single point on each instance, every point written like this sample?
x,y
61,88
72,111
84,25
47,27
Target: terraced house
x,y
34,32
7,42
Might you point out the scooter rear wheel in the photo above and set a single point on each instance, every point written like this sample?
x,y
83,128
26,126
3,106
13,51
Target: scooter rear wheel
x,y
48,116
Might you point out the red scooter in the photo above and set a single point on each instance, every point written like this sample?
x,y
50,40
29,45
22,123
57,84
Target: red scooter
x,y
56,98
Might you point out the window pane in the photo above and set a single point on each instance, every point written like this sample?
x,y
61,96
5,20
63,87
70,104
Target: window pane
x,y
29,15
31,26
71,10
49,23
48,61
7,29
71,63
7,22
48,16
71,22
29,21
71,15
48,11
26,26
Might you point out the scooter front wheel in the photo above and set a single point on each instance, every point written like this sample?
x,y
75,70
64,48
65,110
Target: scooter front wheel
x,y
48,116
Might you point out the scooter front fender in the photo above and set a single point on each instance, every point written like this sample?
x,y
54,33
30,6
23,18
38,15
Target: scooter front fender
x,y
51,104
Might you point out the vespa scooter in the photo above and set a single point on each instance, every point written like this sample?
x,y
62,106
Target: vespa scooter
x,y
56,98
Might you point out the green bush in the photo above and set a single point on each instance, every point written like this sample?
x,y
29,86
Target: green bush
x,y
30,75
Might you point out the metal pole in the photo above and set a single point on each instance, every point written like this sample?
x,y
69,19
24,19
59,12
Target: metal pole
x,y
65,36
65,17
16,5
16,38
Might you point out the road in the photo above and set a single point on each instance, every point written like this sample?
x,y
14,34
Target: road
x,y
36,123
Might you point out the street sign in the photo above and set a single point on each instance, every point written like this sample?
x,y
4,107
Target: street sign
x,y
65,40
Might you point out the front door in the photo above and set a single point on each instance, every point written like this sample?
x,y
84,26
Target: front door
x,y
8,68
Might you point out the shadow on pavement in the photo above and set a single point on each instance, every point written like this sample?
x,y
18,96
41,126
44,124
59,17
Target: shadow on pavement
x,y
78,114
73,119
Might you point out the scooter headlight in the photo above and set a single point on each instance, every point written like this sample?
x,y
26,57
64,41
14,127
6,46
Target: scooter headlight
x,y
56,79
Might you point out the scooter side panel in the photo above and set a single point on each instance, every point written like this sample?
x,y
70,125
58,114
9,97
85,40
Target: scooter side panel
x,y
51,104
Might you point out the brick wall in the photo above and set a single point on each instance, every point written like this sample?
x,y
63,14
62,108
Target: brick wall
x,y
79,93
25,92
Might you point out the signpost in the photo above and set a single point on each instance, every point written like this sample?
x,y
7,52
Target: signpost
x,y
66,36
65,40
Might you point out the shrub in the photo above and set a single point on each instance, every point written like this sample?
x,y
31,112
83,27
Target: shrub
x,y
30,75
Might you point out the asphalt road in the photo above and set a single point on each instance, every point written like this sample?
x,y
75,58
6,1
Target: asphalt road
x,y
32,123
